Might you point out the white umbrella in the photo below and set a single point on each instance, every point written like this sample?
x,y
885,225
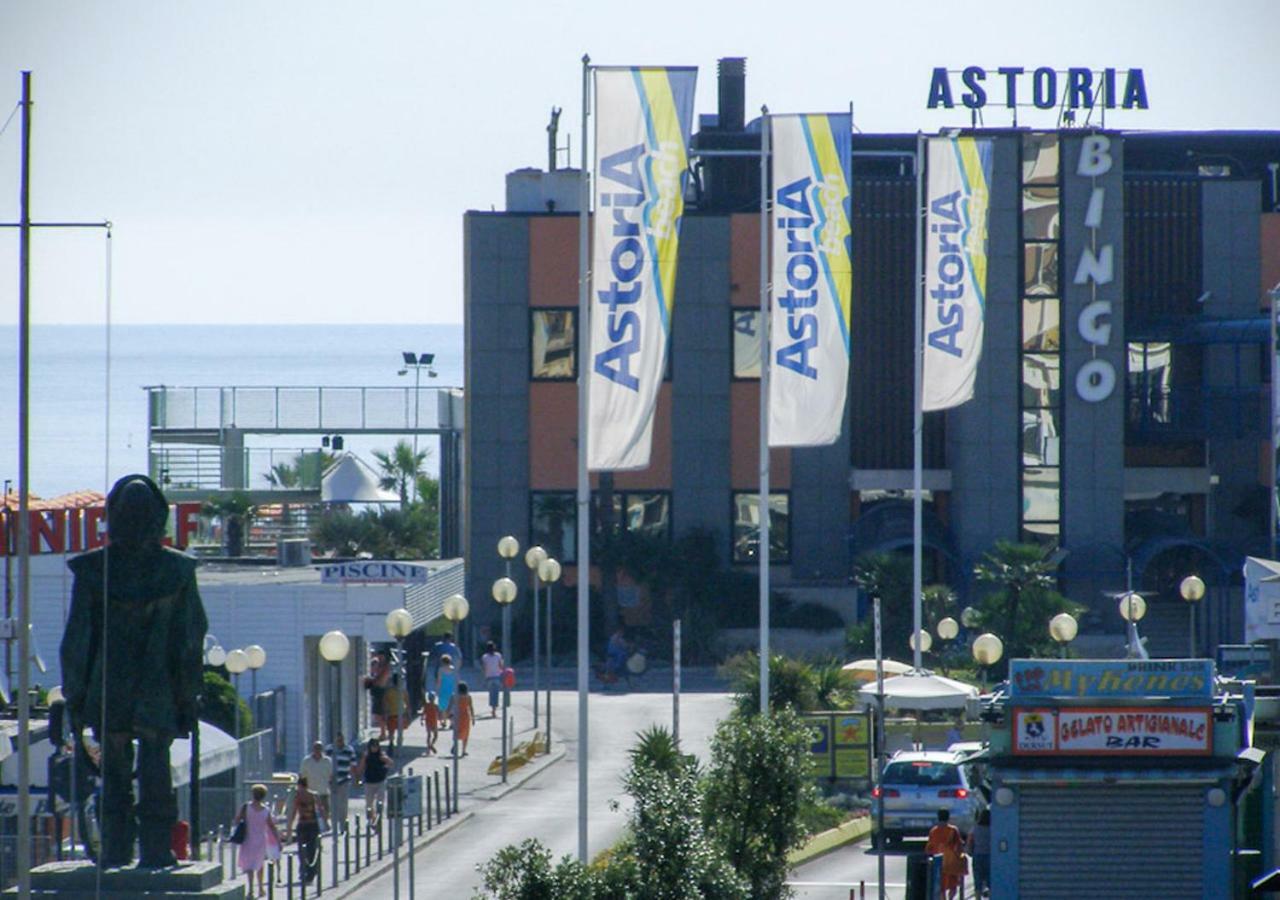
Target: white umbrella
x,y
920,691
863,669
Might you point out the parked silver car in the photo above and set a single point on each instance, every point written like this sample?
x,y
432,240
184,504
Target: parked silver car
x,y
919,783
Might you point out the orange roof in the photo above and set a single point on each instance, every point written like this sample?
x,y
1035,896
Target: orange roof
x,y
73,500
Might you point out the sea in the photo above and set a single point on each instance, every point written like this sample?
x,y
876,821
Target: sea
x,y
88,419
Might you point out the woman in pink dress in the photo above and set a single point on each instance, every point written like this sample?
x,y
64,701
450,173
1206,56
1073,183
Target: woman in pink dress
x,y
260,839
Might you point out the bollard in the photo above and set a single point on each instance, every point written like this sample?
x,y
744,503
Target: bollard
x,y
368,842
381,820
288,885
334,825
439,818
449,800
271,881
395,865
411,852
427,800
346,851
222,853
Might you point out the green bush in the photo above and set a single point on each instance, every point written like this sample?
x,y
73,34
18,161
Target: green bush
x,y
527,873
219,704
791,683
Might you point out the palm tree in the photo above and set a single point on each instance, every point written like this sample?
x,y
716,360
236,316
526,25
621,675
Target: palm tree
x,y
400,469
1025,597
235,510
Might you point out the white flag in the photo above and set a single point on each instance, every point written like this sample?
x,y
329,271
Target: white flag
x,y
811,275
955,264
643,117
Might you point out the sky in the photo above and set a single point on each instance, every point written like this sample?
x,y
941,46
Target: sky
x,y
311,162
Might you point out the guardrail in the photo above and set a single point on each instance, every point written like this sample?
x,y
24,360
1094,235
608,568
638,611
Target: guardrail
x,y
283,409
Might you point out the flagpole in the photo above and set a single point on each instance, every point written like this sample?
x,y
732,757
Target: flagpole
x,y
917,475
762,500
584,484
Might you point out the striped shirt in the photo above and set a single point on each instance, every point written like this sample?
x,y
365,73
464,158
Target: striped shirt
x,y
343,759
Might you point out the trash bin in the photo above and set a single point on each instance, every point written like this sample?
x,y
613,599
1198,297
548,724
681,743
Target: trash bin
x,y
917,876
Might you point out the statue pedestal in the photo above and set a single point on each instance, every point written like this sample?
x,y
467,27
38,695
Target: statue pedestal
x,y
78,880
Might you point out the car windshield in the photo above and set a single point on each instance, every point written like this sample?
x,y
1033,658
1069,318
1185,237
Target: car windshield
x,y
922,772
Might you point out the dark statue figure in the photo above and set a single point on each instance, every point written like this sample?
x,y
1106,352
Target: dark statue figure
x,y
132,667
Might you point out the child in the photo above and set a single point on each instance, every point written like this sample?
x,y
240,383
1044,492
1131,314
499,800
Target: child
x,y
431,721
462,712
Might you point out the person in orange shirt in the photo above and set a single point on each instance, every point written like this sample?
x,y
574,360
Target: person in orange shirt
x,y
462,712
945,839
431,721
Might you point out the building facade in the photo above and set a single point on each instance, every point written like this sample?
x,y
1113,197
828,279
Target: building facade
x,y
1122,405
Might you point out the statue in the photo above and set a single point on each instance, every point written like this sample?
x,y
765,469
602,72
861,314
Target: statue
x,y
132,667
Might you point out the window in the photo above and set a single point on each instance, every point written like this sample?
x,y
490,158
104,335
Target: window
x,y
639,512
1150,377
746,527
746,343
553,523
552,344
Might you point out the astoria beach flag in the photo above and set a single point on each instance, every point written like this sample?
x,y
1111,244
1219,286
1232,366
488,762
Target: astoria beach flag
x,y
955,265
643,118
812,279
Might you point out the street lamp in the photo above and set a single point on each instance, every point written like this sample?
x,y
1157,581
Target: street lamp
x,y
399,625
987,650
948,629
548,574
970,617
417,362
925,641
334,647
504,594
456,609
1132,609
532,558
237,661
1063,628
257,659
1192,591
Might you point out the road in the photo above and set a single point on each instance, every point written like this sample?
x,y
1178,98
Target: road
x,y
546,807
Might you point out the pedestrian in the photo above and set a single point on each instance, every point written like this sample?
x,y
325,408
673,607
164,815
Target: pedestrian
x,y
376,684
945,839
304,825
462,711
492,664
318,770
615,662
373,769
449,647
344,760
260,839
447,681
431,721
979,845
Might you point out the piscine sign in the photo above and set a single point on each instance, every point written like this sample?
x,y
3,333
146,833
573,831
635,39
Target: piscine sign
x,y
1119,679
1125,731
367,571
1044,87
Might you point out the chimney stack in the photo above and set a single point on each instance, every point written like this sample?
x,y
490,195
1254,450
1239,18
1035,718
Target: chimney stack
x,y
733,93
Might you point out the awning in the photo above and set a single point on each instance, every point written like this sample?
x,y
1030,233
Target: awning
x,y
920,691
219,752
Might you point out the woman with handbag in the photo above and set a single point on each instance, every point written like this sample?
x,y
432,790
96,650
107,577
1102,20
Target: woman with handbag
x,y
255,831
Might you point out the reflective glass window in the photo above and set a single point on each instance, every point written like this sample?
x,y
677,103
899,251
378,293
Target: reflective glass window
x,y
1040,269
1041,494
1040,159
1040,214
1041,379
1041,318
552,344
553,523
1040,437
746,527
746,343
647,513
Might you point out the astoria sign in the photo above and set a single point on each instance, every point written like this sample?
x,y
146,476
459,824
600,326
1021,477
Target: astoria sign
x,y
975,87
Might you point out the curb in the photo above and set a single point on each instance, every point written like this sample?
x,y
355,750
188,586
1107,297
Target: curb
x,y
517,778
372,873
833,839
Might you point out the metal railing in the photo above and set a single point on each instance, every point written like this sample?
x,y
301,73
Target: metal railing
x,y
248,469
340,409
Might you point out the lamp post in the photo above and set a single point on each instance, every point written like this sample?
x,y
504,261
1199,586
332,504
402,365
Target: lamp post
x,y
948,630
417,362
508,549
504,594
334,647
257,659
1192,591
532,558
987,650
1132,609
920,642
1063,628
399,625
456,609
214,655
549,574
237,662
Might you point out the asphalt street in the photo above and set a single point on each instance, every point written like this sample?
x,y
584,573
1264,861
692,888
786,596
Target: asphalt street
x,y
546,807
833,876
